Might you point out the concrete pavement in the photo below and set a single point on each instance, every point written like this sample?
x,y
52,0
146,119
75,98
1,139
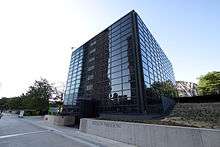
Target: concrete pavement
x,y
34,132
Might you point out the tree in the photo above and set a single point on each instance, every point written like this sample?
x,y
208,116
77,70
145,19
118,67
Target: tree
x,y
35,99
165,88
38,96
209,84
3,103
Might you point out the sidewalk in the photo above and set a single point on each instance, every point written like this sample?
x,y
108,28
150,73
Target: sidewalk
x,y
73,133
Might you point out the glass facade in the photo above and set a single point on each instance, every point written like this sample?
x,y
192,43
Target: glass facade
x,y
121,97
156,66
115,68
74,77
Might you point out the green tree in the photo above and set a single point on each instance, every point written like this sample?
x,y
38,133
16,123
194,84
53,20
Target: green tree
x,y
38,96
209,84
14,103
3,103
165,88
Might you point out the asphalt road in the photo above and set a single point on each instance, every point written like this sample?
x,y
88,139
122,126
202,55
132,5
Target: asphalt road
x,y
16,132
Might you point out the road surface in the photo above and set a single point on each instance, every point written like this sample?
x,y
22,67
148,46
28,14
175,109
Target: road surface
x,y
23,132
16,132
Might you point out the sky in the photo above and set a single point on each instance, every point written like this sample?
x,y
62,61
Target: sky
x,y
36,36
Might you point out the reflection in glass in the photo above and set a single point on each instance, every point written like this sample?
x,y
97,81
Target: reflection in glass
x,y
116,81
116,74
126,86
116,87
127,93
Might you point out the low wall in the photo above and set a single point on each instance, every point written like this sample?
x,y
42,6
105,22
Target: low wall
x,y
60,120
149,135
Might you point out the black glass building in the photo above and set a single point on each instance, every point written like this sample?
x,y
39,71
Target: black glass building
x,y
117,71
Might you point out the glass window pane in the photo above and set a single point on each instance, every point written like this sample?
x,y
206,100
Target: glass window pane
x,y
125,72
124,43
125,65
117,62
116,47
116,81
117,87
124,54
116,52
124,48
126,27
126,85
127,93
116,68
116,57
116,74
116,37
124,60
125,79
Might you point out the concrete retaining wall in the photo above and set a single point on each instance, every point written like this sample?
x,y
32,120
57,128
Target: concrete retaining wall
x,y
60,120
149,135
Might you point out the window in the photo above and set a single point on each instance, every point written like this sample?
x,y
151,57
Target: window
x,y
124,60
116,68
125,65
125,79
116,47
91,59
91,68
89,87
117,62
92,51
117,87
90,77
127,93
116,33
125,72
76,90
126,37
125,32
116,52
125,21
78,81
79,68
116,81
116,37
93,43
128,26
146,79
124,54
116,57
67,92
116,74
116,42
124,48
123,43
77,85
126,86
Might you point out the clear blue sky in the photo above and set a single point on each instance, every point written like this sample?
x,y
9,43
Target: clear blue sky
x,y
36,36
